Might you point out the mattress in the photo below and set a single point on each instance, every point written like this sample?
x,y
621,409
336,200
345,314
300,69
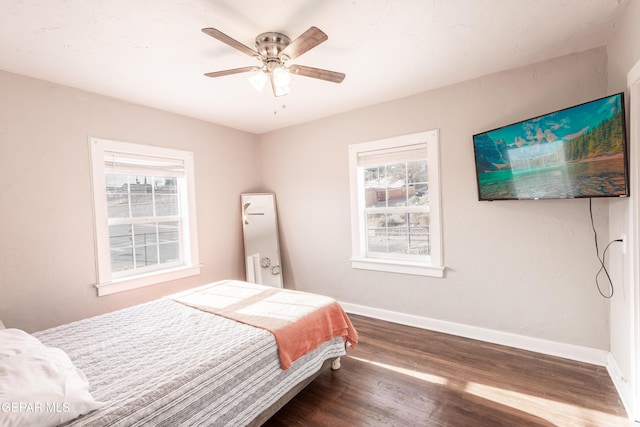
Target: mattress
x,y
166,364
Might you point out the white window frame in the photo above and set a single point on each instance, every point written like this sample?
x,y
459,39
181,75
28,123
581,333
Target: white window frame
x,y
108,282
433,266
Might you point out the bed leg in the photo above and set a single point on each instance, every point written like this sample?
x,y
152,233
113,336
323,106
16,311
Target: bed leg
x,y
335,365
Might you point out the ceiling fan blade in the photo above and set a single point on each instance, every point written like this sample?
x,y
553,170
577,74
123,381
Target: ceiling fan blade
x,y
317,73
232,71
219,35
306,41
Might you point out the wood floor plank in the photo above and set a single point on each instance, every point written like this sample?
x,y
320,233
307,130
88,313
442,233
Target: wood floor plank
x,y
404,376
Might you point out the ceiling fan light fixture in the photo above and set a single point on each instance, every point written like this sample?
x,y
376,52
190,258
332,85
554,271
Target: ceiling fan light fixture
x,y
281,77
281,91
258,80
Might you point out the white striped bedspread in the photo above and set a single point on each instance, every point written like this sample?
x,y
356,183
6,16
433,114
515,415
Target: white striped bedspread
x,y
165,364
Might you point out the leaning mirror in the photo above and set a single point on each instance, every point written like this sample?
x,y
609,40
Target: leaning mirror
x,y
261,246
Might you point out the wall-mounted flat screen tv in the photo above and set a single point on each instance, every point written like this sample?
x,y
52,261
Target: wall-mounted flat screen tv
x,y
577,152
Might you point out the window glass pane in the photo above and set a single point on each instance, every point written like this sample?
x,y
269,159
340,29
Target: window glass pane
x,y
375,188
117,196
169,235
135,196
376,232
121,244
387,233
396,175
141,196
376,197
166,196
386,185
393,185
417,171
398,233
395,180
372,176
417,183
418,195
135,246
146,244
418,234
397,196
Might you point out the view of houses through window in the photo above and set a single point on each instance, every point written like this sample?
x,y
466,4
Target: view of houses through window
x,y
396,215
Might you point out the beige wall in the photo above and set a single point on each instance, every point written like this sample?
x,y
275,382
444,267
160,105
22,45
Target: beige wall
x,y
47,265
525,267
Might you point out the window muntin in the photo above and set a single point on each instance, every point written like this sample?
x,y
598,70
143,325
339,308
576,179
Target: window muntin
x,y
396,204
145,214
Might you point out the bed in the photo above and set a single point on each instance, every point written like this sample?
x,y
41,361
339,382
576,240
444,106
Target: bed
x,y
177,361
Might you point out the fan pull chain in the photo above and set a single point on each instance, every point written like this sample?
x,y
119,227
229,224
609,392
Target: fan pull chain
x,y
275,107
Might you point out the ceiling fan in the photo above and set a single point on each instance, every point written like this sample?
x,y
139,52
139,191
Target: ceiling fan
x,y
274,50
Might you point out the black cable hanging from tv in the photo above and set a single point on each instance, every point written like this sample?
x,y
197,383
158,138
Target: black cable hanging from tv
x,y
601,260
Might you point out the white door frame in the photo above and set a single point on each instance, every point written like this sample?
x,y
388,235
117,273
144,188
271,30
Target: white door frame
x,y
633,83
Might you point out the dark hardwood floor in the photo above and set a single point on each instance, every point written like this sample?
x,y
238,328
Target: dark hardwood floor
x,y
404,376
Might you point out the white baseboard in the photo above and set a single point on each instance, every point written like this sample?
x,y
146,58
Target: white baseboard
x,y
621,383
567,351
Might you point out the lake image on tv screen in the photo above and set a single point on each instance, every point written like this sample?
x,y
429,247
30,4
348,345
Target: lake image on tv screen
x,y
577,152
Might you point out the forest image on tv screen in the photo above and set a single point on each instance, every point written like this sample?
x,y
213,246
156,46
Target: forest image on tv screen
x,y
576,152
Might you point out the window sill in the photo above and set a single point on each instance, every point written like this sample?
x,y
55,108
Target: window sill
x,y
401,267
134,282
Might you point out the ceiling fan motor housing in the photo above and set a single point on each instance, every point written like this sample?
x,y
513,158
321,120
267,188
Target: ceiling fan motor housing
x,y
269,45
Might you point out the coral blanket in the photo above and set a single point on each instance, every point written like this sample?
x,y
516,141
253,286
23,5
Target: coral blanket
x,y
299,321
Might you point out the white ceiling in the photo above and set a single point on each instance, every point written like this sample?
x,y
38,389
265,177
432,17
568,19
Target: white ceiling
x,y
152,52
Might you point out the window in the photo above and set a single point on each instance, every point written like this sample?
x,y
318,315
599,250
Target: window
x,y
144,206
395,205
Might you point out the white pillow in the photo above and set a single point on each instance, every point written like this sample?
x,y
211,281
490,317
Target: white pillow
x,y
39,385
15,341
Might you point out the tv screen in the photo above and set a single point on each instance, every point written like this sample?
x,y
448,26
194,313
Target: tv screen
x,y
577,152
